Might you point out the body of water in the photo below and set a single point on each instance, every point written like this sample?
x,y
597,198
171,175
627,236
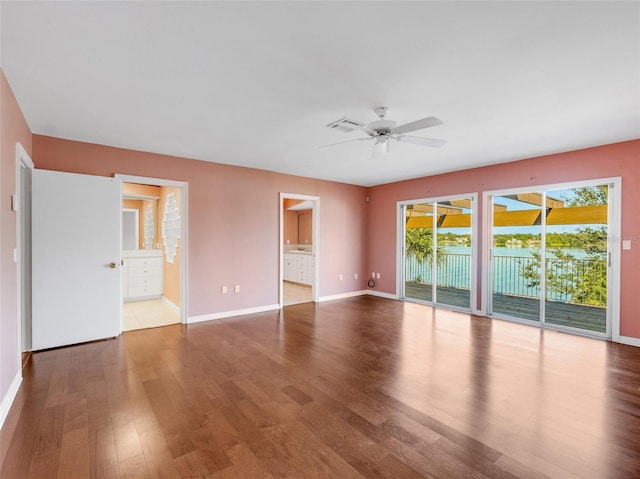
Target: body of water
x,y
577,253
509,262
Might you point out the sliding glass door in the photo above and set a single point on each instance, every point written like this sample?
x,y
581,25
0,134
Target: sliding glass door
x,y
577,260
437,251
551,258
516,254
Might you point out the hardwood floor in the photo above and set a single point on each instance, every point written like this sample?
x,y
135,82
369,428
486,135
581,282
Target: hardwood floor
x,y
362,387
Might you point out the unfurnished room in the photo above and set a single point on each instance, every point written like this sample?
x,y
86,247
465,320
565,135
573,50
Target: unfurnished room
x,y
320,239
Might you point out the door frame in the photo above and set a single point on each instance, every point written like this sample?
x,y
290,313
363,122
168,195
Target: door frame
x,y
400,252
315,212
184,230
23,160
614,227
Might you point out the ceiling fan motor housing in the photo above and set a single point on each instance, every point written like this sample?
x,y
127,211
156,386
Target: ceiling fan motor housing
x,y
382,127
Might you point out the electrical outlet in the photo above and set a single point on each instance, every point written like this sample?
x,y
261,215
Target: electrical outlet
x,y
236,288
378,275
373,275
224,290
355,276
340,276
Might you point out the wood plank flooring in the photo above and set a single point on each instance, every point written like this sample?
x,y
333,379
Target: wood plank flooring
x,y
362,387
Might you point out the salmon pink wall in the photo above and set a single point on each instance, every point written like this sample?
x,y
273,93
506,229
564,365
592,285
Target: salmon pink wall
x,y
233,216
13,129
620,159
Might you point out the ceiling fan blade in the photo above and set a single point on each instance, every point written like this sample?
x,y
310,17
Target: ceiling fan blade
x,y
348,141
418,140
417,125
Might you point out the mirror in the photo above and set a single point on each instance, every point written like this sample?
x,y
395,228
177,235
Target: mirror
x,y
130,225
298,221
304,227
140,225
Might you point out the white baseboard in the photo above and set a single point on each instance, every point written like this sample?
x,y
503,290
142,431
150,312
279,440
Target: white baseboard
x,y
229,314
333,297
7,401
358,293
168,302
380,294
629,341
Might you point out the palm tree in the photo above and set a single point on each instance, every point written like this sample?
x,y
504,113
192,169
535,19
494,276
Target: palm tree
x,y
419,241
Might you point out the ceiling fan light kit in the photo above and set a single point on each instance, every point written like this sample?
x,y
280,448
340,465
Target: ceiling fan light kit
x,y
382,130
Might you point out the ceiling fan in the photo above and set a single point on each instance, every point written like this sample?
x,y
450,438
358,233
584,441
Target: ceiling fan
x,y
383,130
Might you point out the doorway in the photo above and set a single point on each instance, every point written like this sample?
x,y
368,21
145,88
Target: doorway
x,y
552,260
437,251
153,253
298,249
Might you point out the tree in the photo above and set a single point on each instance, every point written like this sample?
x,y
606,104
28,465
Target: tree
x,y
419,241
585,281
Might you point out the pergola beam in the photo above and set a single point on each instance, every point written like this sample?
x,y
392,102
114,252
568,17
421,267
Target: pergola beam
x,y
577,215
536,199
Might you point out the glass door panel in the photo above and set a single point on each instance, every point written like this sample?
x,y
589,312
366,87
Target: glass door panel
x,y
453,253
517,255
576,258
418,252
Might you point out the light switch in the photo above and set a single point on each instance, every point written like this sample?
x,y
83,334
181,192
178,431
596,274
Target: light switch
x,y
626,244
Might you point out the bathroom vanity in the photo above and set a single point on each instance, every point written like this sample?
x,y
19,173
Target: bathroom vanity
x,y
141,274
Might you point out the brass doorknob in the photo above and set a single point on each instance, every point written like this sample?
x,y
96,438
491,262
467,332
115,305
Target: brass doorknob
x,y
112,265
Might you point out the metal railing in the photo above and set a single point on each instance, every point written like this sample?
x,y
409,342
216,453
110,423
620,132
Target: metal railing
x,y
454,270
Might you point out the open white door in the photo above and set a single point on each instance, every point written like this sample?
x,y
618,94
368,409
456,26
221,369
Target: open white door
x,y
76,235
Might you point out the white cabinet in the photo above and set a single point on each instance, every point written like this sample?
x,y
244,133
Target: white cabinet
x,y
142,278
298,268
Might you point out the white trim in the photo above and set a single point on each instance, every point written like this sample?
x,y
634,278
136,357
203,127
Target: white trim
x,y
230,314
315,246
170,303
350,294
184,231
629,341
486,305
8,399
401,211
614,236
380,294
22,159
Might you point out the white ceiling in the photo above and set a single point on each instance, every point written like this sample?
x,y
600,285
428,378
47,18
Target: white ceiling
x,y
254,84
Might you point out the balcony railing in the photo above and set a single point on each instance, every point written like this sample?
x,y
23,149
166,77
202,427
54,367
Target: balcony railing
x,y
454,270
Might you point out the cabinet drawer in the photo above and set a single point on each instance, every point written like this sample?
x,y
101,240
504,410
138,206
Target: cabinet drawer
x,y
144,262
152,270
144,280
139,291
